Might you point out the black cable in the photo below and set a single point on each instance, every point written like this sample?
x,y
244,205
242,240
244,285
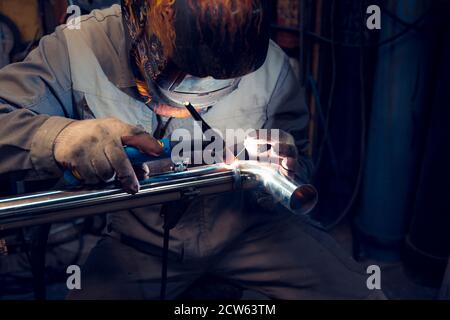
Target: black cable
x,y
359,178
24,282
409,27
332,86
302,41
165,253
172,213
165,260
79,252
362,46
315,92
38,255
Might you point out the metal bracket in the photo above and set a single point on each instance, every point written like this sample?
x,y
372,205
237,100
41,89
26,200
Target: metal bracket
x,y
181,166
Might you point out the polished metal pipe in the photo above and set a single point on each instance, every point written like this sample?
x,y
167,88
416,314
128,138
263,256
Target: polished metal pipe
x,y
57,206
293,194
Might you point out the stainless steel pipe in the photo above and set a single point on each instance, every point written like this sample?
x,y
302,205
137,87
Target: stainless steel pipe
x,y
294,195
57,206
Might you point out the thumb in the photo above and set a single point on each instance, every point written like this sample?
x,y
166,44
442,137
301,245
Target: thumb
x,y
145,143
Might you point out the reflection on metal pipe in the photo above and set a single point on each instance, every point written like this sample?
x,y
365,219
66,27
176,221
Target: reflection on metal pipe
x,y
57,206
294,195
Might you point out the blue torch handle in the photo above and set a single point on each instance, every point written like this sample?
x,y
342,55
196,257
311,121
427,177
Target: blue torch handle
x,y
136,158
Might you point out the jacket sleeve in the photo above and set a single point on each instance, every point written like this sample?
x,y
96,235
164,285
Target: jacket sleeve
x,y
287,110
35,105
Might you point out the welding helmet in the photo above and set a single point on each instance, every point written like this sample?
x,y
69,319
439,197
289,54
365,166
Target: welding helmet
x,y
194,50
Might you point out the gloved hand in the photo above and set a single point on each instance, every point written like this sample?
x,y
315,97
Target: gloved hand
x,y
93,150
277,148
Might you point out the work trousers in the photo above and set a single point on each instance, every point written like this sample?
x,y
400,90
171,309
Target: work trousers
x,y
270,251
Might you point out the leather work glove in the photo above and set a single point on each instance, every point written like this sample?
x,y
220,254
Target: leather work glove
x,y
93,150
278,149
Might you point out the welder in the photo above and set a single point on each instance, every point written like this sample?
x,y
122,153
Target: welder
x,y
121,79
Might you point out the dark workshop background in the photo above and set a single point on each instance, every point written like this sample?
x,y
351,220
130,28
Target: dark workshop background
x,y
379,131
